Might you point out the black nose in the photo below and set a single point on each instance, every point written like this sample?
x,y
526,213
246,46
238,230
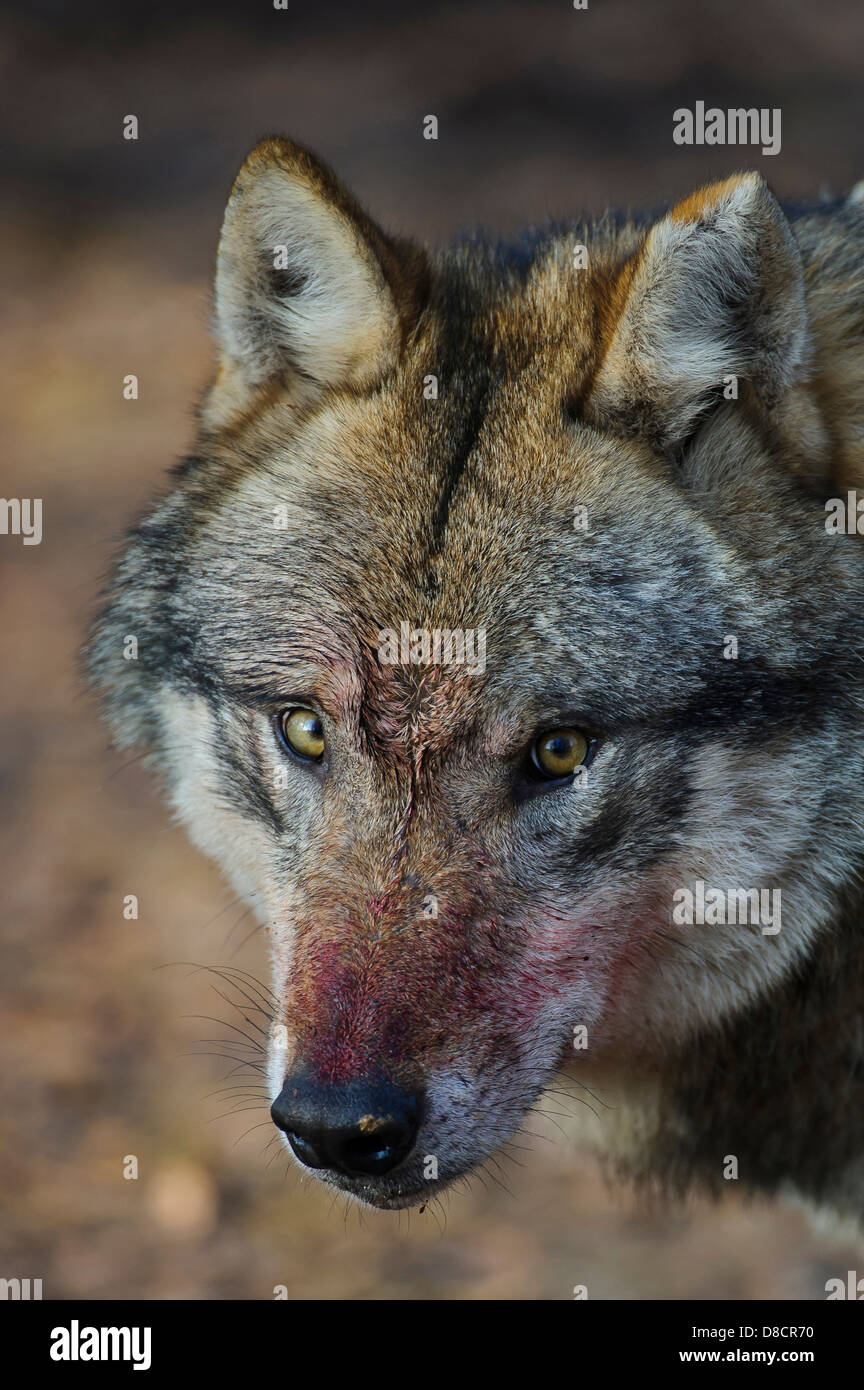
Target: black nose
x,y
358,1129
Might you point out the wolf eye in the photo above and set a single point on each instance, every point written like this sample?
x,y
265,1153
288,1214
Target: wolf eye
x,y
302,732
559,752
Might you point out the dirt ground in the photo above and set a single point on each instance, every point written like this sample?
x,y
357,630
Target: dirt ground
x,y
107,248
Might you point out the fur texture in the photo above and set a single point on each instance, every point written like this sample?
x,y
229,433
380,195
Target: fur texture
x,y
331,493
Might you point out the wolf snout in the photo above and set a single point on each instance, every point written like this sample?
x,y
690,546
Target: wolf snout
x,y
358,1129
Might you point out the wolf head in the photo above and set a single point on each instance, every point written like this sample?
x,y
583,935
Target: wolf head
x,y
493,608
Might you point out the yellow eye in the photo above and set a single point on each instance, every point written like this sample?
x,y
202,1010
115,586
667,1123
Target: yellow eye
x,y
303,732
560,752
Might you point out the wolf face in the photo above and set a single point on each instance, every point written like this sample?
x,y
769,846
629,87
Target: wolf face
x,y
603,456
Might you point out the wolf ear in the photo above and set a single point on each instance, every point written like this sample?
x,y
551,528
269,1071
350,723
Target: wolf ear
x,y
307,287
716,291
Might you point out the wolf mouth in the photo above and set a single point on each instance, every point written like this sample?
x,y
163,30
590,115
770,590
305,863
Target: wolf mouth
x,y
398,1201
388,1199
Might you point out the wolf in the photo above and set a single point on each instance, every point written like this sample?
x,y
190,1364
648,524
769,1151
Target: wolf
x,y
609,447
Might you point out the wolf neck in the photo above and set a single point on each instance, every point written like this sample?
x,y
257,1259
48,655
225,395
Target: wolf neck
x,y
779,1089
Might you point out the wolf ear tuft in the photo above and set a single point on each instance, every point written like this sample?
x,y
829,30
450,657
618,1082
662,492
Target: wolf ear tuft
x,y
715,292
307,286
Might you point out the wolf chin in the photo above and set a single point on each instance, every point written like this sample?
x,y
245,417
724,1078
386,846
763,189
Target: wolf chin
x,y
463,872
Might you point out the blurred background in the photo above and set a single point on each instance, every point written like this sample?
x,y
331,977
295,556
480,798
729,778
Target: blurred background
x,y
107,250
